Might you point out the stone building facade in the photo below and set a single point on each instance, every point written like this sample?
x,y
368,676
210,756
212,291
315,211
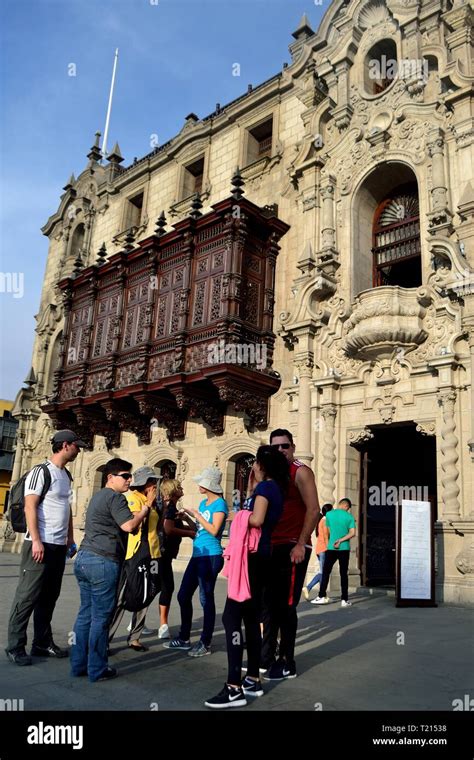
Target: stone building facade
x,y
365,142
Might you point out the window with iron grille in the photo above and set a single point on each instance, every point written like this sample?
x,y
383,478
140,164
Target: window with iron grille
x,y
396,239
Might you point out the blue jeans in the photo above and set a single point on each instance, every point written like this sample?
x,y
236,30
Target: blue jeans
x,y
317,578
202,572
98,580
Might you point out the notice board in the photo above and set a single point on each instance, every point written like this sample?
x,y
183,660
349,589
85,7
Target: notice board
x,y
415,577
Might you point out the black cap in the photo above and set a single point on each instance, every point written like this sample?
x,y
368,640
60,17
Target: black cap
x,y
67,436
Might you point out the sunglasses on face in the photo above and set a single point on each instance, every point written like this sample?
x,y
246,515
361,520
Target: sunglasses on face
x,y
281,445
125,475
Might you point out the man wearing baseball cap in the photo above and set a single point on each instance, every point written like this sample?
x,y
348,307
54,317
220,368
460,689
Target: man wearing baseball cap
x,y
49,534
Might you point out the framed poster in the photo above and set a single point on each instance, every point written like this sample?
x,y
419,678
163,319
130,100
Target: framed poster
x,y
415,580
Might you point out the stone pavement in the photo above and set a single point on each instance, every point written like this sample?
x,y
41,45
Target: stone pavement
x,y
347,659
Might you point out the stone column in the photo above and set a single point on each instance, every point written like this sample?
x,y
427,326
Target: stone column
x,y
328,454
328,232
440,216
449,457
305,369
471,349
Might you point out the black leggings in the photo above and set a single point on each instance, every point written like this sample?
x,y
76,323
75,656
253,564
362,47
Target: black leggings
x,y
165,570
249,612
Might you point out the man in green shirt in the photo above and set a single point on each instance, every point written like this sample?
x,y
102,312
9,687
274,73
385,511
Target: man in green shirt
x,y
342,528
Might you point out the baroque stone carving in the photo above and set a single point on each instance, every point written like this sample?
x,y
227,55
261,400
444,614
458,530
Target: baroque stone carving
x,y
426,428
359,437
410,136
465,559
385,319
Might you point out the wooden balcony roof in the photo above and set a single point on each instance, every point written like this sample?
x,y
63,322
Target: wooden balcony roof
x,y
177,326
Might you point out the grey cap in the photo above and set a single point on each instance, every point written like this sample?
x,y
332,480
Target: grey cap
x,y
143,474
67,436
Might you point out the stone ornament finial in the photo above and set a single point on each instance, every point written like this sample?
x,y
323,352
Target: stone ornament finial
x,y
237,183
102,255
95,153
129,241
160,225
196,207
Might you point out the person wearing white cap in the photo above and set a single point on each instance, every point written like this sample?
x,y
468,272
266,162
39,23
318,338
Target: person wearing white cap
x,y
204,565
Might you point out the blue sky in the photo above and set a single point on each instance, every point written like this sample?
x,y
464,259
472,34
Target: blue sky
x,y
175,56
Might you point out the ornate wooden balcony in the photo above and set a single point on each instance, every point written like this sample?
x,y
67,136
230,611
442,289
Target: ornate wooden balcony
x,y
147,332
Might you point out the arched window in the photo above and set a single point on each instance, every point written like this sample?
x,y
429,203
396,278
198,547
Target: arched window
x,y
77,241
431,75
53,364
396,239
380,67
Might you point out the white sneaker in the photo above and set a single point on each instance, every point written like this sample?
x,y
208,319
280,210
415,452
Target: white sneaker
x,y
163,632
346,604
320,600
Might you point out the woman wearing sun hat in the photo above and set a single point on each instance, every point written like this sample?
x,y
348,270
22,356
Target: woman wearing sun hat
x,y
204,565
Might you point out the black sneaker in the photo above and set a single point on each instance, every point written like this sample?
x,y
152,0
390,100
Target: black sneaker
x,y
19,657
280,671
177,643
52,651
252,688
108,674
228,697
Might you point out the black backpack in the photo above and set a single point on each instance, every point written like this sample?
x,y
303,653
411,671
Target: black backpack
x,y
141,575
16,502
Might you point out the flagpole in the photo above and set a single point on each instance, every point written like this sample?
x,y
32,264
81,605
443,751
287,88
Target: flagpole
x,y
109,107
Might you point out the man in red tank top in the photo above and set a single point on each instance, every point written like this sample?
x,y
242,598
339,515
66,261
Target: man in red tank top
x,y
291,550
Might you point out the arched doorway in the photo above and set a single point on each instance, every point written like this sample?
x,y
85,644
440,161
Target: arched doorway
x,y
243,464
396,239
100,479
166,468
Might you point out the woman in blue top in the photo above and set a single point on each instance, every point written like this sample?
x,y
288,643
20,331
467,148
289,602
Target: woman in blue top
x,y
268,484
205,564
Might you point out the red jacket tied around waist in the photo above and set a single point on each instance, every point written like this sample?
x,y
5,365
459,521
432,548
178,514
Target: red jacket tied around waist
x,y
243,539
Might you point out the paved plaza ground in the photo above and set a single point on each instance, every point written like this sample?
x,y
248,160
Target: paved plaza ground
x,y
347,659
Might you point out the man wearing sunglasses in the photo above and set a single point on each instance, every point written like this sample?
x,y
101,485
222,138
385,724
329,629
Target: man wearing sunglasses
x,y
291,550
97,570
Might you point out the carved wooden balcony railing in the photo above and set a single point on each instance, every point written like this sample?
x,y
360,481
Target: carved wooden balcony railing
x,y
147,333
